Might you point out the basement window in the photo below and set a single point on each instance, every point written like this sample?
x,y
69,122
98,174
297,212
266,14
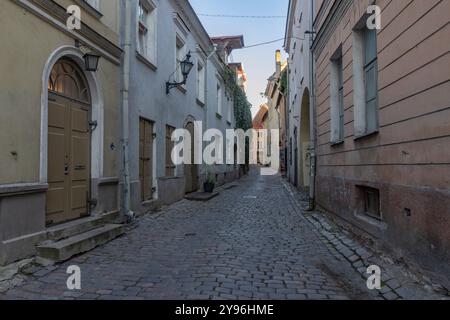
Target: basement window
x,y
371,198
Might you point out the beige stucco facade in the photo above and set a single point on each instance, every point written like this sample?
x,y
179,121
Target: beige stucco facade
x,y
27,56
408,158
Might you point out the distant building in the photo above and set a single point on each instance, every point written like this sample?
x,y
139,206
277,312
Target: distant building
x,y
241,75
259,124
226,44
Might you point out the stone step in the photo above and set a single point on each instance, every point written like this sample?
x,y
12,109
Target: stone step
x,y
201,196
65,249
72,228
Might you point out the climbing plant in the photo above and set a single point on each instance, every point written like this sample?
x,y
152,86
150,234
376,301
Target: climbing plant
x,y
242,108
283,82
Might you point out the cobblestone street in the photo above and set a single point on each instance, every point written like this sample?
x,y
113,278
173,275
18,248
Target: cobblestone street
x,y
251,242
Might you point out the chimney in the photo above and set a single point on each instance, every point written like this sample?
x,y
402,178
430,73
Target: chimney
x,y
278,62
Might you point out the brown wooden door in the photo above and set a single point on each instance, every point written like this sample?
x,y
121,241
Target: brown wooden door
x,y
191,170
146,159
69,139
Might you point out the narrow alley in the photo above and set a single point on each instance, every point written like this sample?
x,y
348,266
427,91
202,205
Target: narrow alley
x,y
251,242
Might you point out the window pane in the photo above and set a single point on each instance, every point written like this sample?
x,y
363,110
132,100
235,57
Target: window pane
x,y
370,45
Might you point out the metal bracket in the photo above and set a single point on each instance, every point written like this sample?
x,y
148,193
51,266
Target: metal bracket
x,y
93,125
92,202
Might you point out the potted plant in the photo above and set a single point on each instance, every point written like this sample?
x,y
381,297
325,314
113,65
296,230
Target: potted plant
x,y
209,183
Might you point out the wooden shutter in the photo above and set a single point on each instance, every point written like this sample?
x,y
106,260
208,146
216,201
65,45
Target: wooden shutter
x,y
170,167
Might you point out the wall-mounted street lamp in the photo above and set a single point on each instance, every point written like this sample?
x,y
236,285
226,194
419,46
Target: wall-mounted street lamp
x,y
90,59
186,66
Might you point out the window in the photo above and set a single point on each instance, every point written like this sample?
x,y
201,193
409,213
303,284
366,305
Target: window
x,y
67,79
371,199
94,4
200,82
365,70
146,44
337,97
371,79
219,99
180,56
170,166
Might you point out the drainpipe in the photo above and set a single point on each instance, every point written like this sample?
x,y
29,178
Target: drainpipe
x,y
312,113
288,130
126,196
206,96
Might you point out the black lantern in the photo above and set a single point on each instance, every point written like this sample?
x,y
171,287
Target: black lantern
x,y
91,61
186,66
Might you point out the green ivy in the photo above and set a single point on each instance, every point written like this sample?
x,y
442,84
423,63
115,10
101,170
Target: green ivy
x,y
283,82
242,108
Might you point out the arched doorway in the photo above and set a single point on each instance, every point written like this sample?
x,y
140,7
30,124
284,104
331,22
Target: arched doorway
x,y
305,138
191,170
69,143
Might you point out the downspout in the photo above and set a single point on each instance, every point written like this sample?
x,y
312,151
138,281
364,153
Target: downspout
x,y
126,196
287,145
206,98
312,113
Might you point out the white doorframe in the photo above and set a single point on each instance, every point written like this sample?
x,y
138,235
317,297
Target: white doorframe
x,y
97,112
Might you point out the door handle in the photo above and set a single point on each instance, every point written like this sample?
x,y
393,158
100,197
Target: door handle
x,y
66,169
78,168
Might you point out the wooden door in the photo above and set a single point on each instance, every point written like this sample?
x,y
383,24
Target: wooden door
x,y
191,170
69,141
146,159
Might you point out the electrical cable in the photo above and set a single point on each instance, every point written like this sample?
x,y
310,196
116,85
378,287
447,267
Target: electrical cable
x,y
239,17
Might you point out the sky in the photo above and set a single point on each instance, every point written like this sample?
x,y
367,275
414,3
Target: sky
x,y
259,62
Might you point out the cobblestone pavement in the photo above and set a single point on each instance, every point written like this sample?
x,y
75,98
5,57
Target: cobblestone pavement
x,y
251,242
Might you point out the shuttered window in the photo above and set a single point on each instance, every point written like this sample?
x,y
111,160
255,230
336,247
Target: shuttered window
x,y
170,167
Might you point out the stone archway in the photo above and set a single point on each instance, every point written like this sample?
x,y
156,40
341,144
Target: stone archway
x,y
97,112
88,162
304,141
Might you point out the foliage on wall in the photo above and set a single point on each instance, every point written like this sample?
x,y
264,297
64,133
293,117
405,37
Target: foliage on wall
x,y
242,108
283,82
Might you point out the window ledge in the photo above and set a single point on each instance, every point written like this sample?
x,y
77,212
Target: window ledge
x,y
146,61
366,135
90,9
337,143
218,116
200,103
372,221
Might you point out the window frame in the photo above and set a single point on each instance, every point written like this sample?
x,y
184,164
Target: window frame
x,y
337,106
371,63
366,109
147,32
201,82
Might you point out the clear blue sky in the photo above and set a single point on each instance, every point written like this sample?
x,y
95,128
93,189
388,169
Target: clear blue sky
x,y
259,62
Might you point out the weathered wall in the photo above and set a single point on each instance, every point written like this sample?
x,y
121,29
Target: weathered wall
x,y
28,41
148,98
409,159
